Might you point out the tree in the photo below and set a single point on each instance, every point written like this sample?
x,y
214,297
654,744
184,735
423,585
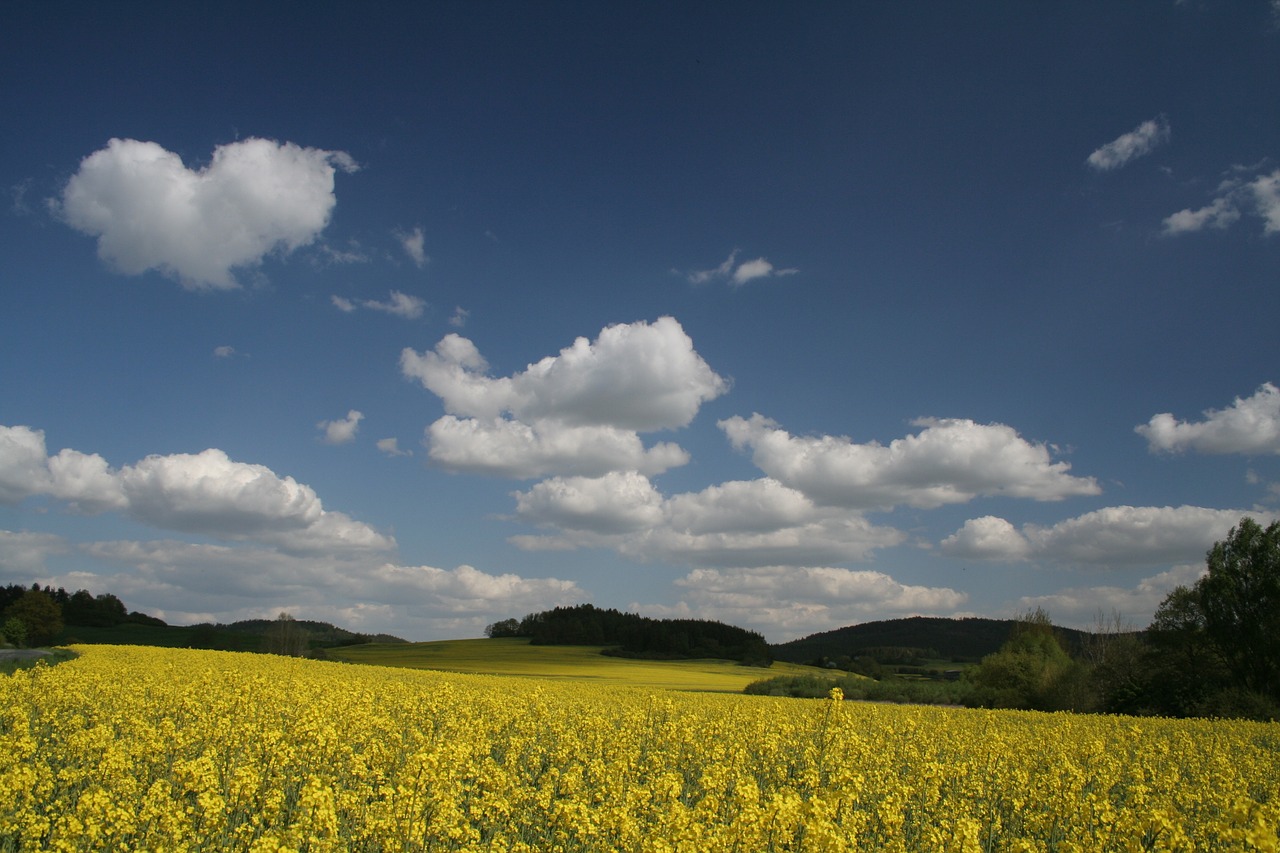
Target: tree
x,y
1031,670
39,614
503,628
1240,599
1215,646
286,637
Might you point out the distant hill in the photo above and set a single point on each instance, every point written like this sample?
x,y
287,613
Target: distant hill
x,y
928,636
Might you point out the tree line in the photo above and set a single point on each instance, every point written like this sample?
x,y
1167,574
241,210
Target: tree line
x,y
1211,650
632,635
35,615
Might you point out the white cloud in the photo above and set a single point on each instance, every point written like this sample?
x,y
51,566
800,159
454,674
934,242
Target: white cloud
x,y
1266,195
400,305
508,448
341,431
826,538
1250,425
1129,146
224,352
733,524
1236,196
987,538
204,493
397,304
617,502
84,481
1078,607
759,268
1112,537
1220,214
459,318
164,577
638,376
24,466
738,274
784,602
391,447
23,554
578,413
725,270
150,212
949,461
412,243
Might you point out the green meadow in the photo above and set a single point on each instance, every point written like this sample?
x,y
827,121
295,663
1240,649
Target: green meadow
x,y
515,656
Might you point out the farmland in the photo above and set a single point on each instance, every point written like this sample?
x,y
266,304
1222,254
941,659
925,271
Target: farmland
x,y
514,656
130,747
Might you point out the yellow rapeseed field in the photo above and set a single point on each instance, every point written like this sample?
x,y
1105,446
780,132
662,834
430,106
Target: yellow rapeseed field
x,y
130,748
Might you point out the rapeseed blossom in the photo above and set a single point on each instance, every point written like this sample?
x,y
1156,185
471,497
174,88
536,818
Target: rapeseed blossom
x,y
129,748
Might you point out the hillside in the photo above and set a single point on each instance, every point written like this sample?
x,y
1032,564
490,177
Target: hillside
x,y
929,637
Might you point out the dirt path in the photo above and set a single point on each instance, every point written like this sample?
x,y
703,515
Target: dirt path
x,y
23,654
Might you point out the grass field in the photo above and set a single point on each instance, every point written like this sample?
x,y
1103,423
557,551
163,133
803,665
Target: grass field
x,y
514,656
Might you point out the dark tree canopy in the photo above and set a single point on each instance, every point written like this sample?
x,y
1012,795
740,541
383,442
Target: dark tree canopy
x,y
1240,599
40,616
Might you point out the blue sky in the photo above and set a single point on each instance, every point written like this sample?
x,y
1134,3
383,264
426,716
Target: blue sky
x,y
413,317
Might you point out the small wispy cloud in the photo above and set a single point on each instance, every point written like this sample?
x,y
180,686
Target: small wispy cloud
x,y
1142,140
459,318
391,447
1235,198
413,244
398,304
341,431
738,274
224,352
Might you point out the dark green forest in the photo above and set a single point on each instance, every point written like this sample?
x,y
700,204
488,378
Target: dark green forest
x,y
635,636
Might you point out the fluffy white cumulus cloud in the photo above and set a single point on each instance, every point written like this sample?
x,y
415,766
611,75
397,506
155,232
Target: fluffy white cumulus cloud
x,y
577,413
639,376
733,524
1143,139
1250,425
151,212
83,480
618,502
343,430
949,461
507,448
784,602
1112,537
206,493
987,538
467,590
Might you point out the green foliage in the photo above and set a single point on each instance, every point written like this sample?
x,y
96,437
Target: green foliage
x,y
14,631
635,636
38,612
285,637
1215,646
1031,671
504,628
